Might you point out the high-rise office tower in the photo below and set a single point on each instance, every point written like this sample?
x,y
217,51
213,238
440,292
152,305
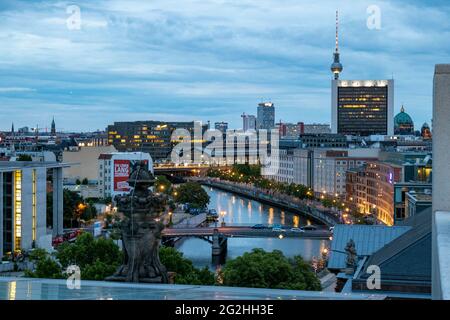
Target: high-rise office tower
x,y
248,122
266,116
360,107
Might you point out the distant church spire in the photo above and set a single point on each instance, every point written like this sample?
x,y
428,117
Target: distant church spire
x,y
53,130
336,67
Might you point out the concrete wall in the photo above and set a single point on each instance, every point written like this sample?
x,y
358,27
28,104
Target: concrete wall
x,y
87,157
57,201
41,203
441,163
27,212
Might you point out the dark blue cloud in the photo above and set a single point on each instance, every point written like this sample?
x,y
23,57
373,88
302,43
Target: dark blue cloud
x,y
207,60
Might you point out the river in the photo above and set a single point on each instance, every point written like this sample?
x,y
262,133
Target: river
x,y
242,211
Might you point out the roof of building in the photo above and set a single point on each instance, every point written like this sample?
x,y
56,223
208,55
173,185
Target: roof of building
x,y
420,196
105,156
402,118
367,238
18,165
408,258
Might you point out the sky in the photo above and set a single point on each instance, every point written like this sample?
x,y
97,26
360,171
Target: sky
x,y
187,60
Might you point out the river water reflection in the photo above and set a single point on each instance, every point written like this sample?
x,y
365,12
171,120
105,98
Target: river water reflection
x,y
242,211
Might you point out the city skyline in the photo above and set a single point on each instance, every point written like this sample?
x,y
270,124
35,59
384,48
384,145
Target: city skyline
x,y
207,60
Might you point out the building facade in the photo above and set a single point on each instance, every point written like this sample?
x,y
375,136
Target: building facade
x,y
266,116
322,170
324,141
114,170
153,137
248,122
84,162
370,189
23,205
362,107
315,128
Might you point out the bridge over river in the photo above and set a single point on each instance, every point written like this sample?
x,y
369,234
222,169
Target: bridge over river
x,y
218,236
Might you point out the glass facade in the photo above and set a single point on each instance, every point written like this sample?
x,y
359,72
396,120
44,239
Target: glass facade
x,y
7,212
17,209
153,137
33,204
362,110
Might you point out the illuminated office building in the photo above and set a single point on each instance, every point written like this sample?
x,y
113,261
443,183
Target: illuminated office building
x,y
23,204
153,137
362,107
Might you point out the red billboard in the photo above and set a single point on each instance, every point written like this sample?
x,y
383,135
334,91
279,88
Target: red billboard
x,y
122,171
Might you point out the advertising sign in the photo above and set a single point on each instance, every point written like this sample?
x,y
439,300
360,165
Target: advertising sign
x,y
121,174
122,171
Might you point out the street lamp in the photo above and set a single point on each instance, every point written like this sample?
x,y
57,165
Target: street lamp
x,y
170,218
223,214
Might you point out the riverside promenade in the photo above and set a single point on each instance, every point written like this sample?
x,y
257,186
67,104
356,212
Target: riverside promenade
x,y
290,203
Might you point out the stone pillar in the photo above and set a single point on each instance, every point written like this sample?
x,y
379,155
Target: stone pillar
x,y
41,203
1,215
57,201
441,161
27,210
216,249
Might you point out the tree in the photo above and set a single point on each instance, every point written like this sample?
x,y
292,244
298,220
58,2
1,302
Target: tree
x,y
96,258
90,211
78,182
327,203
45,265
261,269
73,207
185,272
85,182
24,157
193,194
162,184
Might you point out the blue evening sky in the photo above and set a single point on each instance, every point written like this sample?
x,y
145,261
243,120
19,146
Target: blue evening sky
x,y
208,59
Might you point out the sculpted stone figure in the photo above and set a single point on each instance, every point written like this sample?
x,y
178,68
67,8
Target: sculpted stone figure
x,y
352,257
141,230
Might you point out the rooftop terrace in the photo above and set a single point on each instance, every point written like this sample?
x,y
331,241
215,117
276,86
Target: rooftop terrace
x,y
49,289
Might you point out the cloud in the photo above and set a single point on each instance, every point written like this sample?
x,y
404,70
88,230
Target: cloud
x,y
16,89
208,60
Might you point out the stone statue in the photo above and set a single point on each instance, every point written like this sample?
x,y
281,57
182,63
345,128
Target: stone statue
x,y
352,257
141,230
